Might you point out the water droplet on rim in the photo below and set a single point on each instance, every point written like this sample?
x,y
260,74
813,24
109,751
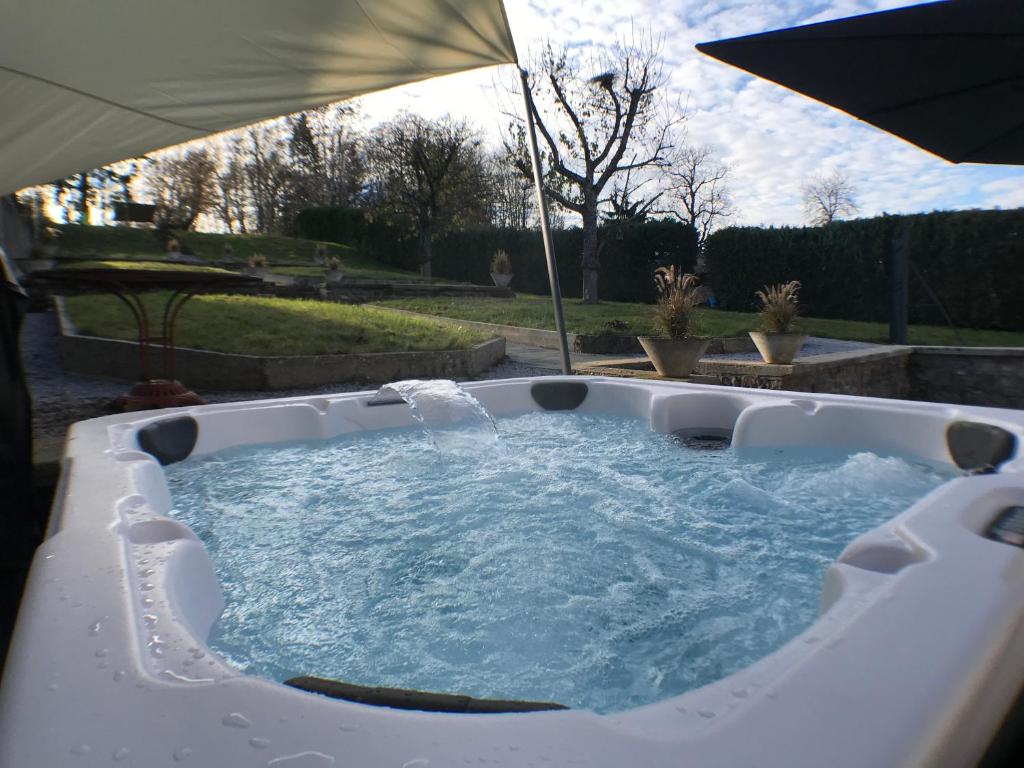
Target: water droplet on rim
x,y
236,720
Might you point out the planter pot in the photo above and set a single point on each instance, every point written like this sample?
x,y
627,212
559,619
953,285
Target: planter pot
x,y
778,348
501,279
335,276
675,358
260,272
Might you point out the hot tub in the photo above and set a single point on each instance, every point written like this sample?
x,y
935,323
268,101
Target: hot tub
x,y
915,658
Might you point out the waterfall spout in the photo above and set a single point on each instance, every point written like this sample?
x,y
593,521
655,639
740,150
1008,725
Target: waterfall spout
x,y
453,419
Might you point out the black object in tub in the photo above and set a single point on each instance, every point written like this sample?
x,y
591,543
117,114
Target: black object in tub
x,y
424,701
559,395
703,438
169,440
978,447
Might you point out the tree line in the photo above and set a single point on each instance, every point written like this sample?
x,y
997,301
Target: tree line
x,y
612,141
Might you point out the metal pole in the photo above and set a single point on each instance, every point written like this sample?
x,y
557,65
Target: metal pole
x,y
545,227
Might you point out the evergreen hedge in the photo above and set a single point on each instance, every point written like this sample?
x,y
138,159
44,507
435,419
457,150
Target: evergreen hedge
x,y
390,243
972,260
630,254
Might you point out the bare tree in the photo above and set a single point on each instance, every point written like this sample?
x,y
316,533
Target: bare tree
x,y
343,165
627,205
434,173
326,159
183,186
78,195
697,188
268,177
232,201
597,119
512,197
829,198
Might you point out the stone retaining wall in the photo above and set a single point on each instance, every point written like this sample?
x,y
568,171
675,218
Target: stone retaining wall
x,y
881,372
204,370
992,376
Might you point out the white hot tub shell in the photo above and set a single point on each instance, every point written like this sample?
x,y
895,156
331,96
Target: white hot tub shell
x,y
915,659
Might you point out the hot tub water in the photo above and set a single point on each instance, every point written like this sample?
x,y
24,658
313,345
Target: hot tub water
x,y
591,562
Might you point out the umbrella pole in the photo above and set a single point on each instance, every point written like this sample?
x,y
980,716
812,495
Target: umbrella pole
x,y
545,226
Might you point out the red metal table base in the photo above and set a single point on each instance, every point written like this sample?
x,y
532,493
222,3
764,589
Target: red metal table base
x,y
157,393
127,284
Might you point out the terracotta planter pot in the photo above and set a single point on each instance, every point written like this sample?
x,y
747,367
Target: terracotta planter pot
x,y
502,279
675,358
778,348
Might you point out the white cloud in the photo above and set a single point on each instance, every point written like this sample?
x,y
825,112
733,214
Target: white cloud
x,y
772,137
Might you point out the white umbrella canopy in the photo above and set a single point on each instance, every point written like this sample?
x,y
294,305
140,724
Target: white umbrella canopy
x,y
84,84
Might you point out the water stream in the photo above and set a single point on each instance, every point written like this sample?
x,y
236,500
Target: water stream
x,y
453,419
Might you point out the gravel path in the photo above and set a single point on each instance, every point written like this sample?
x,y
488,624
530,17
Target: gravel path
x,y
60,399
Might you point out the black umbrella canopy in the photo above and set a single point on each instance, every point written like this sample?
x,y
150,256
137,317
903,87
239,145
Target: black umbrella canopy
x,y
946,76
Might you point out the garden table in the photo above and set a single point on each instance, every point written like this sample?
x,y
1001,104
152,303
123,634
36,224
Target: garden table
x,y
128,284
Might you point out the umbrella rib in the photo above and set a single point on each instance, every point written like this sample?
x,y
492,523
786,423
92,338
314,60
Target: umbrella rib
x,y
944,94
110,102
966,158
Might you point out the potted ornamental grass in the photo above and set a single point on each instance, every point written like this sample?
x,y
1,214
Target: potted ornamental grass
x,y
334,273
778,341
677,350
258,265
501,269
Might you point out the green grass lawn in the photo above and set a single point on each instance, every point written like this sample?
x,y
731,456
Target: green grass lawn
x,y
124,243
154,266
268,326
635,319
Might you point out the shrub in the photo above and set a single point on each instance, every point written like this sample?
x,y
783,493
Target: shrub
x,y
258,261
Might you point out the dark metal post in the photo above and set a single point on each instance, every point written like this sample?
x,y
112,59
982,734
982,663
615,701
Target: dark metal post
x,y
545,227
898,276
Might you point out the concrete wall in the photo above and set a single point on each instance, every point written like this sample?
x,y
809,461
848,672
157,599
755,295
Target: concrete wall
x,y
203,370
992,376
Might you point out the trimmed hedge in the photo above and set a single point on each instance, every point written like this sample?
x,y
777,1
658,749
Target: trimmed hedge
x,y
972,260
630,254
393,244
627,260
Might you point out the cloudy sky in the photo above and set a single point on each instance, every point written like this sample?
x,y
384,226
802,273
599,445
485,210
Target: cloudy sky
x,y
772,138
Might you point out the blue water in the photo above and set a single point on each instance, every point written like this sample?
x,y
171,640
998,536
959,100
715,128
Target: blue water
x,y
586,560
